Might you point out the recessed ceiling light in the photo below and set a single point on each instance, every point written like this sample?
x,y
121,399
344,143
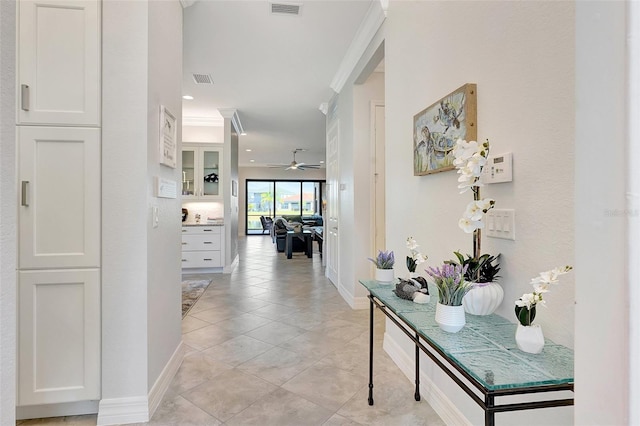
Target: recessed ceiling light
x,y
248,149
252,161
188,97
321,162
243,134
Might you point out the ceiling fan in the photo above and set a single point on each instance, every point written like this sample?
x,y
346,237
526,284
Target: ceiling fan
x,y
294,165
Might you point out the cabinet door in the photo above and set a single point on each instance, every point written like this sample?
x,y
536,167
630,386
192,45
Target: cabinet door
x,y
189,170
210,169
59,191
58,336
59,62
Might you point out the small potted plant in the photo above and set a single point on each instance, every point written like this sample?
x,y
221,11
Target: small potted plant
x,y
486,294
384,266
529,337
452,287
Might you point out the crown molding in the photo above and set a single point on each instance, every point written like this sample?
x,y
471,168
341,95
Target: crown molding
x,y
187,3
368,28
202,121
232,114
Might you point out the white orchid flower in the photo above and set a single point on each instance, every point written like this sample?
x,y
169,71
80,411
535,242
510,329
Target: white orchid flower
x,y
412,243
468,225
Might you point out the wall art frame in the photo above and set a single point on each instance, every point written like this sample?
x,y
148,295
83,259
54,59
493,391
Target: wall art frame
x,y
437,128
168,138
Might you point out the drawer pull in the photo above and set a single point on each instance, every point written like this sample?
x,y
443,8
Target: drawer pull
x,y
184,244
207,230
207,242
209,260
184,260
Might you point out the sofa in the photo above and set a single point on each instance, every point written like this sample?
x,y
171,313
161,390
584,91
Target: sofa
x,y
282,224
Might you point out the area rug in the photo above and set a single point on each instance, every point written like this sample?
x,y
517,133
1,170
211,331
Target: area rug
x,y
191,292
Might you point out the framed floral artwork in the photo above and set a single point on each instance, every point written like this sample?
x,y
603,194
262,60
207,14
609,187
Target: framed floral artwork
x,y
437,128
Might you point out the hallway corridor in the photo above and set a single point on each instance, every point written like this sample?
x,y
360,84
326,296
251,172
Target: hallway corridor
x,y
274,343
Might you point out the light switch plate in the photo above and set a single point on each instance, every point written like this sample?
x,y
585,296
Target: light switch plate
x,y
499,168
500,223
156,216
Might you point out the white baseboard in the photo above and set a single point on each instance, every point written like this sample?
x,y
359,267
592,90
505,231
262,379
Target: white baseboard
x,y
361,302
118,411
229,268
428,390
56,410
164,380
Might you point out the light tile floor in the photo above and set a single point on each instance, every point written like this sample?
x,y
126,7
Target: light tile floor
x,y
274,343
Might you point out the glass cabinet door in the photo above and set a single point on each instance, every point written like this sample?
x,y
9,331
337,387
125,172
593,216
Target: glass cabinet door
x,y
188,172
210,173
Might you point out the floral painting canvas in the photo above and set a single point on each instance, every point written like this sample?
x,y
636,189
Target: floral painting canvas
x,y
437,128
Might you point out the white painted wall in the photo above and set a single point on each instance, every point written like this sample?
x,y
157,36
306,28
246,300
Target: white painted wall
x,y
8,209
164,294
353,107
602,221
521,55
267,173
125,211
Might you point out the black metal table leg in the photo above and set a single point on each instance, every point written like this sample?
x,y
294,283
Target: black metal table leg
x,y
489,414
417,394
371,351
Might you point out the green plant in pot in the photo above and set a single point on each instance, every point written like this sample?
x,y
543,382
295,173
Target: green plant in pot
x,y
485,294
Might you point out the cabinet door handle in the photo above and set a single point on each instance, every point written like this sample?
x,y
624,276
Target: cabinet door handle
x,y
24,97
184,244
25,194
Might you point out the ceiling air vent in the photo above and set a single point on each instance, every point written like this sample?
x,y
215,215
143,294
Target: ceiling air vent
x,y
285,8
202,79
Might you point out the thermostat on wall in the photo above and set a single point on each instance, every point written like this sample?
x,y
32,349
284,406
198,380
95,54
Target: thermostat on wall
x,y
499,168
166,188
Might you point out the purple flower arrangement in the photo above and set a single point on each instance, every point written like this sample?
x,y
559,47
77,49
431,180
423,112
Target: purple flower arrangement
x,y
451,284
384,260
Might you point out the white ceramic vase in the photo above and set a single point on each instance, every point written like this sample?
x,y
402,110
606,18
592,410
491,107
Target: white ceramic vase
x,y
483,298
450,318
529,338
384,275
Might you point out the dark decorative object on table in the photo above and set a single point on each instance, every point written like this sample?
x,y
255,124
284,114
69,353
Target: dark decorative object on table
x,y
211,177
185,213
406,289
479,270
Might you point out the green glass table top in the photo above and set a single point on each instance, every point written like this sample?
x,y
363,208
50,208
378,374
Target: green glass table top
x,y
485,348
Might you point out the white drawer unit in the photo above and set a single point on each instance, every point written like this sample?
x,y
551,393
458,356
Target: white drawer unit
x,y
202,247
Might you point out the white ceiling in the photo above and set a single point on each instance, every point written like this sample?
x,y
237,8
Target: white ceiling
x,y
274,69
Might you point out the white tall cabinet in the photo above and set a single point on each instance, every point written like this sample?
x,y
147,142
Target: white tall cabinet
x,y
58,117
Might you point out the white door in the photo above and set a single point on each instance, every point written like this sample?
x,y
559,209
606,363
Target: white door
x,y
379,177
59,191
58,336
331,243
59,62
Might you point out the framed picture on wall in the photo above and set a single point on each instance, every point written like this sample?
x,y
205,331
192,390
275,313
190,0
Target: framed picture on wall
x,y
168,137
437,128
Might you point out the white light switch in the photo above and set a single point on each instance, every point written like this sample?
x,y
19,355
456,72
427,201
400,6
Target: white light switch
x,y
156,216
501,224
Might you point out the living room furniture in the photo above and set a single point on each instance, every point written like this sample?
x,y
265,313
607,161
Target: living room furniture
x,y
305,235
266,223
482,358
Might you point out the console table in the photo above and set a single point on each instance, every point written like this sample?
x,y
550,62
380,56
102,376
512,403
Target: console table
x,y
482,358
